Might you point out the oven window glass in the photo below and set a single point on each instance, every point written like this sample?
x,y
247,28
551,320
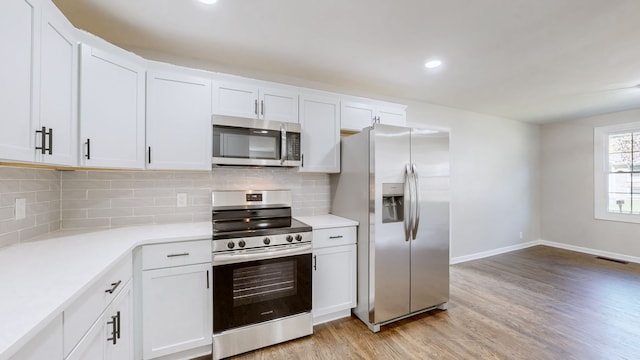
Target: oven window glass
x,y
257,291
267,282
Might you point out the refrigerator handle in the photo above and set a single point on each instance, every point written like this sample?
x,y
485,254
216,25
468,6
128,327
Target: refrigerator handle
x,y
407,204
416,199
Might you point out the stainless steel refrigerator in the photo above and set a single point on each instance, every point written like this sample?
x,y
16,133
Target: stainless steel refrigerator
x,y
395,182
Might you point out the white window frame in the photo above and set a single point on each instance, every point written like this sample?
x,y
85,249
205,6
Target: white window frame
x,y
601,171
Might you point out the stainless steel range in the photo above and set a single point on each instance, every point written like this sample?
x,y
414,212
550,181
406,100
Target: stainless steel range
x,y
261,271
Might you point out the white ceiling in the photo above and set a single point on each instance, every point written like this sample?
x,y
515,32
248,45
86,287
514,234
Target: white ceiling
x,y
530,60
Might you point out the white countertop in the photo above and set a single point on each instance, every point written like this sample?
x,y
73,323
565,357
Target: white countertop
x,y
38,279
326,221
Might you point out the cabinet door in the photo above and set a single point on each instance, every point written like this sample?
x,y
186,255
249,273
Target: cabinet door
x,y
58,88
320,122
235,99
392,116
178,122
19,37
46,345
278,105
334,280
355,116
111,336
111,110
176,309
121,312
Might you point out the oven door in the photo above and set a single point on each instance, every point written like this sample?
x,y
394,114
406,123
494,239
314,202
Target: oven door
x,y
255,286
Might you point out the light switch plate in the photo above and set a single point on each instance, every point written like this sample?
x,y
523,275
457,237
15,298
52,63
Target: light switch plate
x,y
21,208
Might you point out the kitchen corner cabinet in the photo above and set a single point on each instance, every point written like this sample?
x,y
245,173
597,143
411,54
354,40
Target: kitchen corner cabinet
x,y
178,121
253,101
334,273
176,305
320,123
111,337
355,116
39,83
112,109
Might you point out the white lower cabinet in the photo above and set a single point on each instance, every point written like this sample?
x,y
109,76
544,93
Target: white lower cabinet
x,y
111,337
334,273
176,305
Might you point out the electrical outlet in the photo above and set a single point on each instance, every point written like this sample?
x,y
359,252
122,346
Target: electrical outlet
x,y
181,200
21,209
520,235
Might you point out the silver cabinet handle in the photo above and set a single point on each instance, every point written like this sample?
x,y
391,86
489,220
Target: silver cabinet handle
x,y
416,219
255,106
315,263
262,107
336,237
176,255
114,286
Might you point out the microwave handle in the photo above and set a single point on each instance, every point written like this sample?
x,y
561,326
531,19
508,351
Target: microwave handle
x,y
283,144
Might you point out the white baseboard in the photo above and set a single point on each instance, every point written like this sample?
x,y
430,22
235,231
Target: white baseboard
x,y
612,255
484,254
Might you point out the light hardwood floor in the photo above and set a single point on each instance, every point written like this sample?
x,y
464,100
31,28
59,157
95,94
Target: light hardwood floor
x,y
536,303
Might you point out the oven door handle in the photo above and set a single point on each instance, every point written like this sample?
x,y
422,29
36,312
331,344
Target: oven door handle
x,y
262,254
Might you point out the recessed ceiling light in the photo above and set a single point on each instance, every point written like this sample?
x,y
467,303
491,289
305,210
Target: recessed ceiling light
x,y
432,64
208,2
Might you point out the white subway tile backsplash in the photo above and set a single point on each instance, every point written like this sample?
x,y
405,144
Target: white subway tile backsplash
x,y
41,190
86,223
152,194
100,199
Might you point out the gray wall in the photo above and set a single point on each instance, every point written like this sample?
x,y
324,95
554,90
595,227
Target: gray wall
x,y
567,188
495,176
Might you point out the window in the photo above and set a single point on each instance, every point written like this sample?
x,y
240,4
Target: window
x,y
617,172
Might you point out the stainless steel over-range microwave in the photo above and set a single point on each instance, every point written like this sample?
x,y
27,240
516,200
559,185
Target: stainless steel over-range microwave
x,y
253,142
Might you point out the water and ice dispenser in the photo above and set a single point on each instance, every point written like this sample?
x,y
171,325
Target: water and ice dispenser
x,y
392,202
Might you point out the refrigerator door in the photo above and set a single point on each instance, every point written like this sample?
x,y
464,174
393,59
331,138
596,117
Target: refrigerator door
x,y
430,245
390,247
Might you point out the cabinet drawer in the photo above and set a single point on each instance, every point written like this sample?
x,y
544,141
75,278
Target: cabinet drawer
x,y
80,315
334,237
176,254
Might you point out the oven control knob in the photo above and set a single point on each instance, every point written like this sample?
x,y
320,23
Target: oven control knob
x,y
266,241
289,238
231,245
241,243
299,237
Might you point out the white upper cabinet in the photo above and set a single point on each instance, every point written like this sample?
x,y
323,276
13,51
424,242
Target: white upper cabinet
x,y
357,115
58,126
253,101
19,43
320,139
178,121
112,107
